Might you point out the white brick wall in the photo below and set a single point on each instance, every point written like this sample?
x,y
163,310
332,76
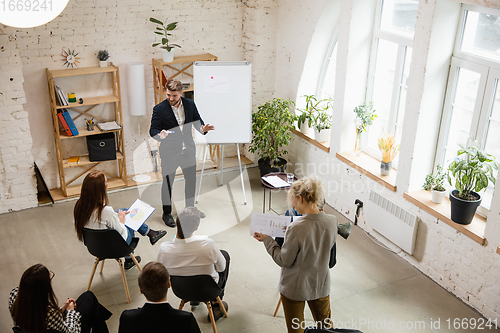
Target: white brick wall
x,y
17,177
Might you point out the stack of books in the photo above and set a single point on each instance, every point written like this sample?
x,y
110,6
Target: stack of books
x,y
62,100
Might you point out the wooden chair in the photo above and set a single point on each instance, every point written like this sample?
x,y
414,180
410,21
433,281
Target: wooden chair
x,y
198,288
109,244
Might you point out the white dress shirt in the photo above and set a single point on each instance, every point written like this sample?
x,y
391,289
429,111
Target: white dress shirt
x,y
109,220
196,255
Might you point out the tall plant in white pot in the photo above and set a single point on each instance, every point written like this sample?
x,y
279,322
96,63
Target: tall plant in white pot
x,y
163,30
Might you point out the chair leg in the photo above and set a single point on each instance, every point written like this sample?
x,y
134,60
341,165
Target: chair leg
x,y
96,262
182,304
136,262
211,314
222,306
102,266
124,279
277,307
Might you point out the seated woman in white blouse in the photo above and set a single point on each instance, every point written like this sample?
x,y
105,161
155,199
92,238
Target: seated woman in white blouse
x,y
92,211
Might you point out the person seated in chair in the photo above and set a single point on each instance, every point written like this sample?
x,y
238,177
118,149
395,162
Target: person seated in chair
x,y
189,255
157,315
92,211
34,307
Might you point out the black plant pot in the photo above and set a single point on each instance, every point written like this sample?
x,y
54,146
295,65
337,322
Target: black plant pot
x,y
462,211
265,167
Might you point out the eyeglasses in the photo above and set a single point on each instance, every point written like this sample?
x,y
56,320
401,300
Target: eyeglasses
x,y
52,274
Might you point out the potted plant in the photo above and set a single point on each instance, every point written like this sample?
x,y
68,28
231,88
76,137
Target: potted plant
x,y
365,114
103,57
164,31
322,127
307,118
472,171
389,149
271,131
434,182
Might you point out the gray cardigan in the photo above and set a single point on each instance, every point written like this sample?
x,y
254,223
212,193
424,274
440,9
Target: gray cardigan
x,y
304,256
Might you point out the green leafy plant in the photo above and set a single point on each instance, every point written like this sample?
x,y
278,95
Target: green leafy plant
x,y
314,109
365,114
103,55
323,121
472,170
271,129
435,181
164,31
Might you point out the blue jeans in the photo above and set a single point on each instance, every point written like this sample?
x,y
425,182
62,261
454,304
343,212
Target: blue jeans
x,y
143,230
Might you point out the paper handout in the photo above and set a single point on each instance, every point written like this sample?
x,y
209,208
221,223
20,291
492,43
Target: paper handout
x,y
139,213
269,224
275,181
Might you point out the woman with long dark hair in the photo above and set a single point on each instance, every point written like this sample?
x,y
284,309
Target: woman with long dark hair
x,y
304,256
92,211
34,307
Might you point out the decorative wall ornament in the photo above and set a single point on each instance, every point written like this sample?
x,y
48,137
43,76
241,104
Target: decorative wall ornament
x,y
70,58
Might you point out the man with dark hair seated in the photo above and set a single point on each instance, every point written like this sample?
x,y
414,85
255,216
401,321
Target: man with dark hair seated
x,y
189,255
156,315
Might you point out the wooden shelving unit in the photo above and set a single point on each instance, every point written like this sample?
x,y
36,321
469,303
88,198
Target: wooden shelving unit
x,y
115,180
158,64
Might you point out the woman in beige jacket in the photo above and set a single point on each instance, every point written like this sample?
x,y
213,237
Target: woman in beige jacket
x,y
304,257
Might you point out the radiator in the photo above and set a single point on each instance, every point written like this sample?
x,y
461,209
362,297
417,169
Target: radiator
x,y
394,223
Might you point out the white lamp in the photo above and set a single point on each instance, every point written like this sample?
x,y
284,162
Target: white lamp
x,y
137,101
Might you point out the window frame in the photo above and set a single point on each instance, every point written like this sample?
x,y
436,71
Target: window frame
x,y
403,43
489,71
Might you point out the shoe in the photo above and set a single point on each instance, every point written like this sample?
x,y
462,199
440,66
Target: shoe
x,y
129,263
168,220
156,235
202,215
217,311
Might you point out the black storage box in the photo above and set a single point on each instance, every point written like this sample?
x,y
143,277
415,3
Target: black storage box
x,y
101,147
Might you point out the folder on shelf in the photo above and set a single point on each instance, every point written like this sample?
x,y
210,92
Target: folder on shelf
x,y
60,96
64,124
70,122
74,160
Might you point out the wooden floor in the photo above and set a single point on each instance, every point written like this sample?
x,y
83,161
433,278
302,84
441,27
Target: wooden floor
x,y
229,163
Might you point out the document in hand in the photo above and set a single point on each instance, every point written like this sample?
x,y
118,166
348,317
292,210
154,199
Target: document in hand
x,y
139,213
269,224
275,181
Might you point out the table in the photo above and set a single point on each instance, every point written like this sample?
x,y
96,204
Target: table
x,y
266,185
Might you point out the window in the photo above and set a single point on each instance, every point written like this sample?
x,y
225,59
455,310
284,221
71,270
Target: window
x,y
327,79
471,113
389,69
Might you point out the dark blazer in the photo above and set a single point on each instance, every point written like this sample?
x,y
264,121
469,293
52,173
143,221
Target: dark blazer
x,y
164,119
161,318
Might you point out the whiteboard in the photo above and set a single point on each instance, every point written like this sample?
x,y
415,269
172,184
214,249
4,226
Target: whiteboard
x,y
223,96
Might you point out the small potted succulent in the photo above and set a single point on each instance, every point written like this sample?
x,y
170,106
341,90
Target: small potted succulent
x,y
323,127
473,169
103,57
364,118
163,29
434,182
389,149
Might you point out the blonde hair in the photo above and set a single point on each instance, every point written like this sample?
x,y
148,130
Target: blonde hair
x,y
309,188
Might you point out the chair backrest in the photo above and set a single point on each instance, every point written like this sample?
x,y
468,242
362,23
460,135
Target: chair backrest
x,y
107,243
18,330
197,288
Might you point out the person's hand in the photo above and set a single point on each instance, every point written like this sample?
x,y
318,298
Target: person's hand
x,y
163,134
70,304
121,215
207,127
258,236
